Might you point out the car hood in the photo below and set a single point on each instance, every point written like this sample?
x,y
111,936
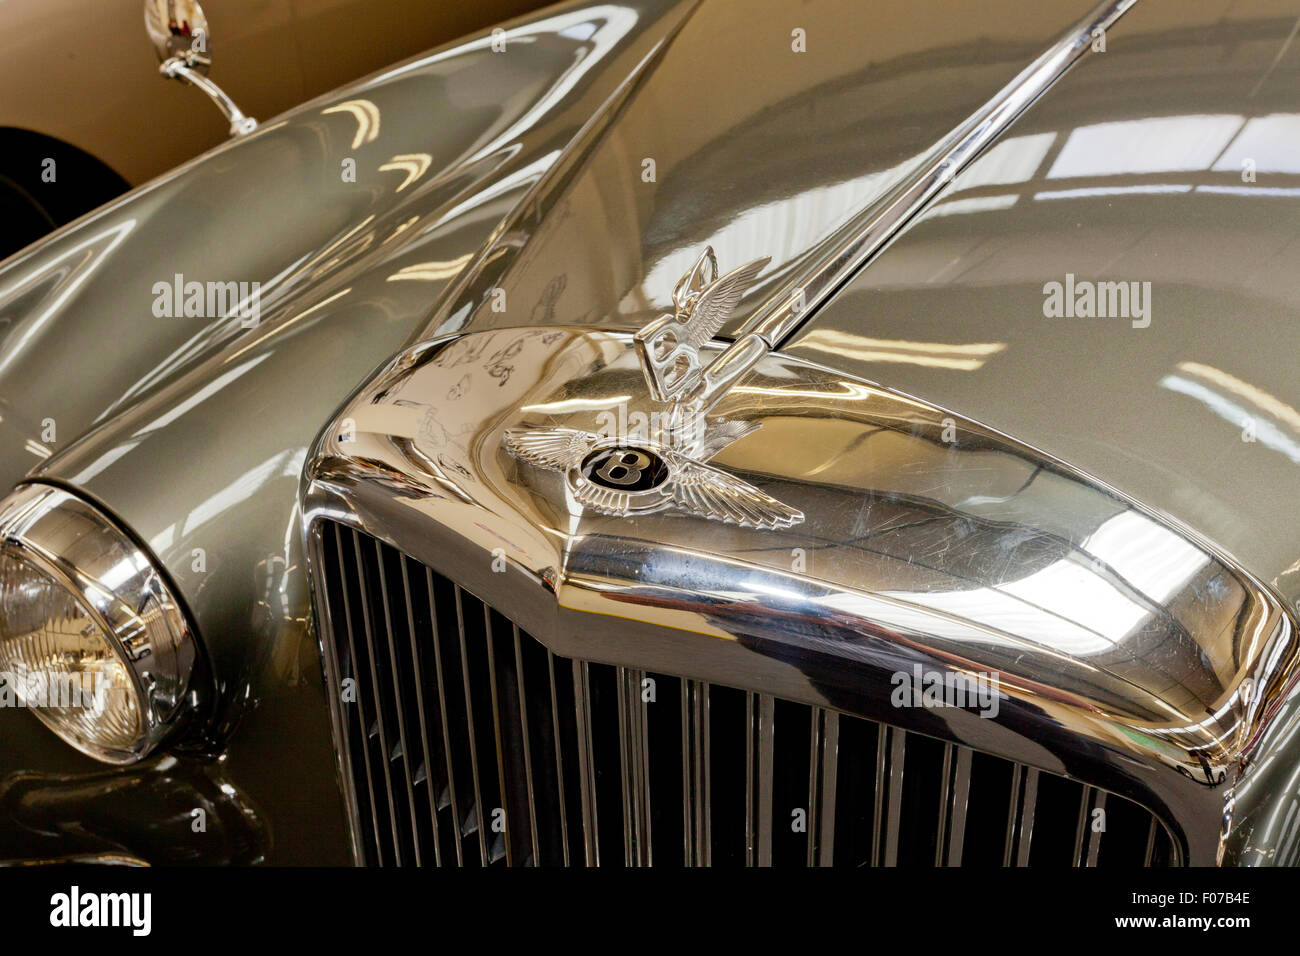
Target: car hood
x,y
1166,163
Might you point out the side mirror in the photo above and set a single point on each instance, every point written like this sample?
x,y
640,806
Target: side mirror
x,y
178,30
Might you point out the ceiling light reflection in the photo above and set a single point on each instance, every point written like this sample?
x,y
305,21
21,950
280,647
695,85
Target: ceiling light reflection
x,y
959,356
1261,399
1155,561
366,114
1266,433
414,165
432,271
1154,189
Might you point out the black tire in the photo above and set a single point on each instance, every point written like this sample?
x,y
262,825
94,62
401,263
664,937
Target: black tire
x,y
30,206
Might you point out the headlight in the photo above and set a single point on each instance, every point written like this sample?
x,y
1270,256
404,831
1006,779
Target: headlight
x,y
92,639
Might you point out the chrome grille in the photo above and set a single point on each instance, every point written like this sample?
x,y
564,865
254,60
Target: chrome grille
x,y
468,743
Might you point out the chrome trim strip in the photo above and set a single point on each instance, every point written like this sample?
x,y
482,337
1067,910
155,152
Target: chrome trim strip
x,y
855,245
866,236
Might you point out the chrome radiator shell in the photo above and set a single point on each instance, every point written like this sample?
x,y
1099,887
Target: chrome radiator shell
x,y
1129,654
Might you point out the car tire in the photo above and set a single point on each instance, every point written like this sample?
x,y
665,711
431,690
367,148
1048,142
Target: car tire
x,y
45,183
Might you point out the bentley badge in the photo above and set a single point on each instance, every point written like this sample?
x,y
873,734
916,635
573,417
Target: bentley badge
x,y
622,475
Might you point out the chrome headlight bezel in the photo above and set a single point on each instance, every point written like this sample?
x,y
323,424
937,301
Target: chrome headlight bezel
x,y
125,592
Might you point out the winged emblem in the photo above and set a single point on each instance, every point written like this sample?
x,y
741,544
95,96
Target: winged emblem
x,y
650,479
669,347
618,476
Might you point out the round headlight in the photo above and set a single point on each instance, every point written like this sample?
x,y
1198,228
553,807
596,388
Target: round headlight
x,y
92,640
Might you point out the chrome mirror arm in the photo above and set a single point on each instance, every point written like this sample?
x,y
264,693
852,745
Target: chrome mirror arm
x,y
176,68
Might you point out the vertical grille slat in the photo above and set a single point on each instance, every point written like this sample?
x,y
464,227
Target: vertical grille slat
x,y
532,790
385,752
696,774
955,835
561,784
395,677
1081,826
453,800
892,752
348,671
765,768
476,813
945,805
510,819
469,743
751,768
814,782
586,762
1025,828
420,680
828,786
633,761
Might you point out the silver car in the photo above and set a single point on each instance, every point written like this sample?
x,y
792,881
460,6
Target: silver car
x,y
680,433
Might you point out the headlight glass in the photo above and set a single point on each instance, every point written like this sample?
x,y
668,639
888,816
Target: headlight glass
x,y
91,639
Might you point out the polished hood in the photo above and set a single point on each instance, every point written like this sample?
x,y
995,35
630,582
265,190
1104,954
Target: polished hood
x,y
1171,164
1165,162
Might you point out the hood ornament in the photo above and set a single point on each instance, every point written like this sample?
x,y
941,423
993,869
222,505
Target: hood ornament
x,y
621,475
669,347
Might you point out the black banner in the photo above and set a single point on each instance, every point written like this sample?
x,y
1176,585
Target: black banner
x,y
660,906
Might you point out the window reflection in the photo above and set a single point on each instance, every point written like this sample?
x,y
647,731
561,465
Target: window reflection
x,y
1151,145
